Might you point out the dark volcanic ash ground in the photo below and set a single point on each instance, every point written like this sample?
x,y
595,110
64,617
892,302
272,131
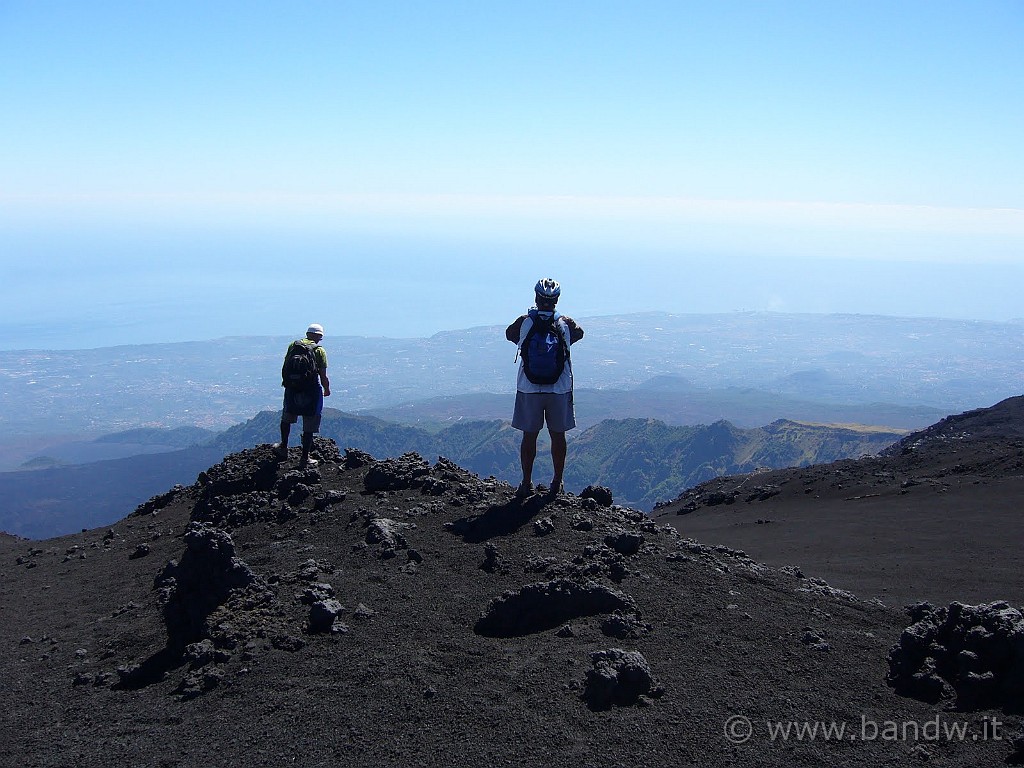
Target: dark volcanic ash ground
x,y
937,517
406,613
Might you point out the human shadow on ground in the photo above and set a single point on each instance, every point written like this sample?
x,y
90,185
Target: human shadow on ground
x,y
498,521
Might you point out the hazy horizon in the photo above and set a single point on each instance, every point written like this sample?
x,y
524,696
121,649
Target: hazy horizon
x,y
187,171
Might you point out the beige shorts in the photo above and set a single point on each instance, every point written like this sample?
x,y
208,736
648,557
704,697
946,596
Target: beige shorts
x,y
534,408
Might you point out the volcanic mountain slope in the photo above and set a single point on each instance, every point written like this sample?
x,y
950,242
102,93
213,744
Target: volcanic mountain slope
x,y
396,613
937,516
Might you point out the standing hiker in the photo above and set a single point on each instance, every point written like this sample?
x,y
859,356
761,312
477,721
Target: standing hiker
x,y
544,382
305,382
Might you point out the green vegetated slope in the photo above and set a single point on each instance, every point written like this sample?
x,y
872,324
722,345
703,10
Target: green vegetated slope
x,y
642,460
645,460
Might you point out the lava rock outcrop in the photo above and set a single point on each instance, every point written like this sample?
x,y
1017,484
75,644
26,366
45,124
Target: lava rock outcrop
x,y
543,606
971,655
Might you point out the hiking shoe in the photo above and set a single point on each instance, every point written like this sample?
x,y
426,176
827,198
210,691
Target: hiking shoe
x,y
281,451
554,490
309,461
525,489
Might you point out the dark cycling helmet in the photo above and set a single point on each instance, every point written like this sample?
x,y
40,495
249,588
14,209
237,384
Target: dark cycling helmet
x,y
547,288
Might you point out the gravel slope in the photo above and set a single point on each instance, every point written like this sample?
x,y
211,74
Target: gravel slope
x,y
396,612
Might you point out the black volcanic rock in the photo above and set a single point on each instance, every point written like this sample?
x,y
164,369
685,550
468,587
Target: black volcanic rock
x,y
194,588
600,494
245,650
539,607
973,654
617,677
407,471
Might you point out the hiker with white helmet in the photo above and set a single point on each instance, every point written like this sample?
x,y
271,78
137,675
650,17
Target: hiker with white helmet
x,y
544,382
305,382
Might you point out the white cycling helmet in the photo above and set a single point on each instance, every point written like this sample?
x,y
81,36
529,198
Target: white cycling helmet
x,y
547,289
315,328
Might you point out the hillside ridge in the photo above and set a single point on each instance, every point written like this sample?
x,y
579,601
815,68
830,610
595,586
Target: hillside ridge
x,y
935,515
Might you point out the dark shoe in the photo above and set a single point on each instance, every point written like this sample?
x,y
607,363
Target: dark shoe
x,y
281,451
309,461
555,489
524,490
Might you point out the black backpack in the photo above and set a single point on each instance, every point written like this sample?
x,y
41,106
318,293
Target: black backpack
x,y
299,371
544,350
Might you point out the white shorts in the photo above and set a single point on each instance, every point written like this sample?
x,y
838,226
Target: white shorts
x,y
534,408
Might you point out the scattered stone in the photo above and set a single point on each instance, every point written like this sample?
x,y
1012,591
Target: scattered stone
x,y
566,631
288,643
105,680
618,677
363,612
198,682
204,652
316,593
140,551
624,542
624,626
816,586
537,564
387,536
491,561
580,523
310,570
407,471
324,616
544,526
329,499
354,459
600,494
814,640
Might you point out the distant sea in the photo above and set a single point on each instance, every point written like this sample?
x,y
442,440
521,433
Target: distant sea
x,y
95,289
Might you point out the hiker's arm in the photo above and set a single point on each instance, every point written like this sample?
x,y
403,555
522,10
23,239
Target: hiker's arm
x,y
575,332
321,369
513,331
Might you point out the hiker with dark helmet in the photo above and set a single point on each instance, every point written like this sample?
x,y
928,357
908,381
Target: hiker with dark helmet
x,y
544,382
305,382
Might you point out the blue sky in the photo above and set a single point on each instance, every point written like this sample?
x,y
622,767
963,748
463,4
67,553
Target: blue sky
x,y
181,170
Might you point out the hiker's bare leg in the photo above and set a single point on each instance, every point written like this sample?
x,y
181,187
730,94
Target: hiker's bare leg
x,y
558,451
527,454
286,430
307,443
